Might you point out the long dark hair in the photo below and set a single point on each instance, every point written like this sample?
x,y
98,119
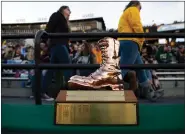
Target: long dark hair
x,y
132,3
62,8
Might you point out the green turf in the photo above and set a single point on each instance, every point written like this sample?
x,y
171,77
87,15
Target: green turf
x,y
167,117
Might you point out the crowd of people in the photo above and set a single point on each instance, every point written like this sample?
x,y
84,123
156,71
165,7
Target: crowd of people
x,y
163,53
16,52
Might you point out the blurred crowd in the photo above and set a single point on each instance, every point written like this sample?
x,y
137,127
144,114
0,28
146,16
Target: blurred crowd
x,y
88,53
163,53
16,52
84,53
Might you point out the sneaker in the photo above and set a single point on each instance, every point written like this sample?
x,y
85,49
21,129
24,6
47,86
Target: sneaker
x,y
47,98
153,94
28,86
44,97
31,97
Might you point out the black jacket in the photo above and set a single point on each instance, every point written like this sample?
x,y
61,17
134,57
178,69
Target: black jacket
x,y
57,24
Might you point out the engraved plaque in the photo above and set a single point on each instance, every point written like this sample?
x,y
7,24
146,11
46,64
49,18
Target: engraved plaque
x,y
95,96
96,107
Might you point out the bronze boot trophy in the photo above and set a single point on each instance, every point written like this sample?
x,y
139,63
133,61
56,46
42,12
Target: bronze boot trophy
x,y
109,73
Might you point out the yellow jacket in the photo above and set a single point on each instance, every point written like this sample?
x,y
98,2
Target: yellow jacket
x,y
130,22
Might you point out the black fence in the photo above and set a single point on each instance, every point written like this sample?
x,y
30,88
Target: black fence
x,y
38,67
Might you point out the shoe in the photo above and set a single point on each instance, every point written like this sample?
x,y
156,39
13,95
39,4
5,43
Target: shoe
x,y
28,85
109,73
31,97
44,97
47,98
153,94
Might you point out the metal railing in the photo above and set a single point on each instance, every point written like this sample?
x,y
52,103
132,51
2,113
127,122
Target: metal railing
x,y
163,74
98,35
170,73
38,67
172,79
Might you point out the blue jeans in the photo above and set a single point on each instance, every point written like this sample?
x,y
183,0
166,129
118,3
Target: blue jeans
x,y
59,54
130,55
149,74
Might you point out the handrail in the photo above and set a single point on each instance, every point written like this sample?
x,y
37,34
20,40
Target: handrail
x,y
160,78
93,66
172,79
170,73
98,35
157,73
14,79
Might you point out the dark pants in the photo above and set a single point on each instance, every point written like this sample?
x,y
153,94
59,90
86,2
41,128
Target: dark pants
x,y
59,55
130,55
32,78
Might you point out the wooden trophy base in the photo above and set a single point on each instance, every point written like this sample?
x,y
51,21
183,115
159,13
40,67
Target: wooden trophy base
x,y
96,108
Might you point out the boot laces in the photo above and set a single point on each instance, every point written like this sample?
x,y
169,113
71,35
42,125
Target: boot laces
x,y
104,54
102,45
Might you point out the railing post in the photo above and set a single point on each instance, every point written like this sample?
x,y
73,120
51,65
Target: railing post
x,y
37,87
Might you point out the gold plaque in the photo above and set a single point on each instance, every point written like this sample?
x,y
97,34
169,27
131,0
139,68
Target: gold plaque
x,y
96,107
95,96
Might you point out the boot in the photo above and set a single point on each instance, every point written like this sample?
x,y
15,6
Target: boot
x,y
109,73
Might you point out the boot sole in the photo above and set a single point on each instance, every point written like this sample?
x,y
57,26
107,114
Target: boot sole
x,y
86,86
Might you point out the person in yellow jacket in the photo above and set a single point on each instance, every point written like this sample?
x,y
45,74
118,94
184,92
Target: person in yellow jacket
x,y
130,22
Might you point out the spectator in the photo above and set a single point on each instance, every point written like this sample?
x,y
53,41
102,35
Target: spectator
x,y
58,23
29,53
8,53
148,55
44,58
83,56
130,22
17,54
180,56
73,50
163,54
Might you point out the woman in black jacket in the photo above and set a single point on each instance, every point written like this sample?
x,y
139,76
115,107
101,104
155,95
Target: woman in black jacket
x,y
58,23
